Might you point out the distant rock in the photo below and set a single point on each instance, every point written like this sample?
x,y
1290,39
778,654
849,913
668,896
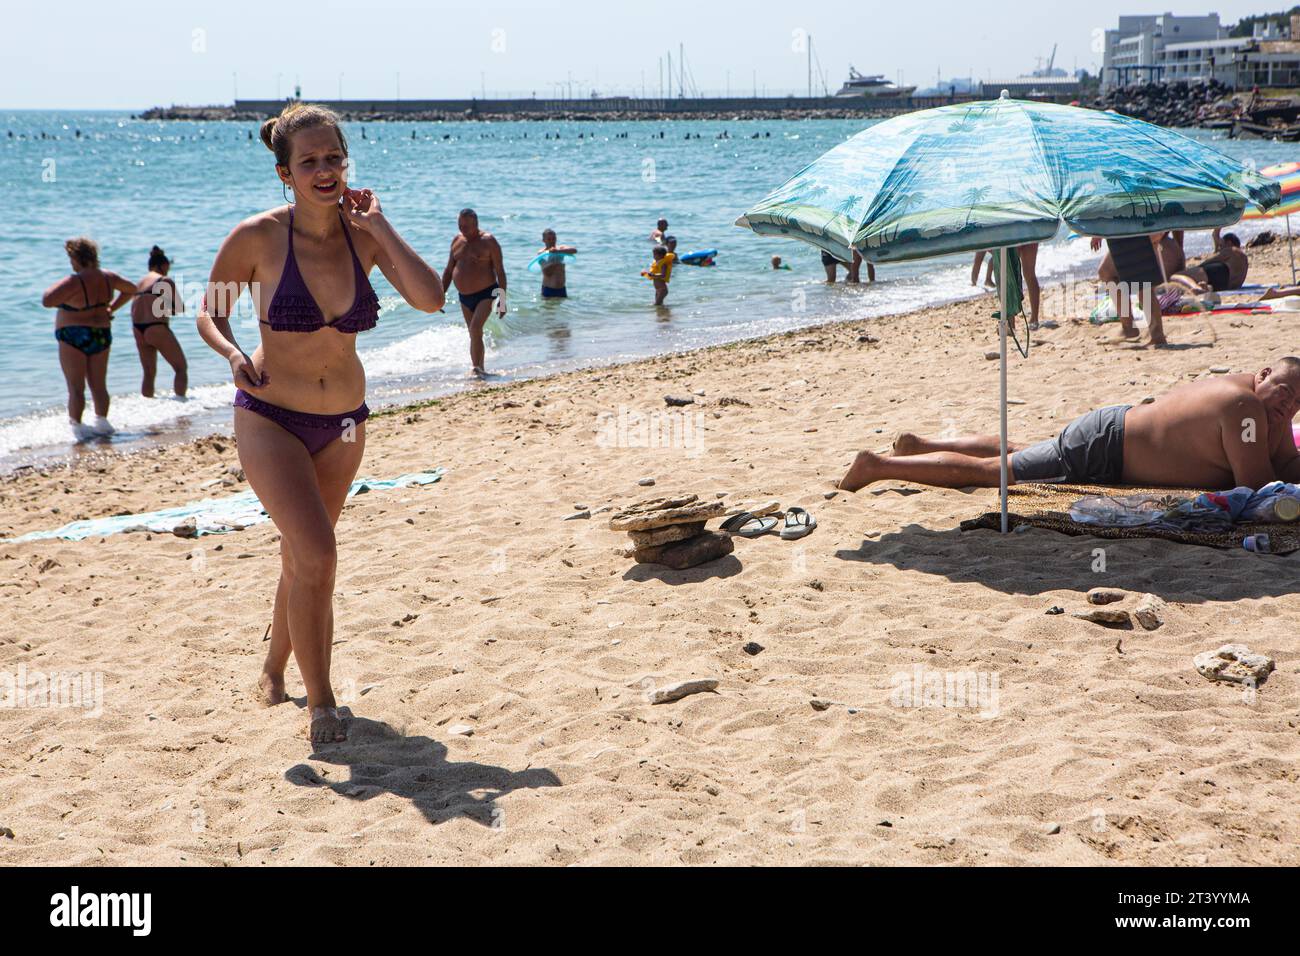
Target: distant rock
x,y
753,648
646,482
1235,663
677,401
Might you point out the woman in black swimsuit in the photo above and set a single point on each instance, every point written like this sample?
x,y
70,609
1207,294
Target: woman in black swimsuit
x,y
86,305
156,301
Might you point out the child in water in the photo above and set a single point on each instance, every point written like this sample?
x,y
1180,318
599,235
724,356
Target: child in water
x,y
661,272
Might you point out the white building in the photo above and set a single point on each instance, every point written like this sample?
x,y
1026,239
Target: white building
x,y
1134,52
1170,49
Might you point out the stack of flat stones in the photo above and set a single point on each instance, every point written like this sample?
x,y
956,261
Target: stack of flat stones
x,y
670,532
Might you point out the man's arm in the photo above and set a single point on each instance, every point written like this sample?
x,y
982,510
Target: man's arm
x,y
451,265
1245,442
498,264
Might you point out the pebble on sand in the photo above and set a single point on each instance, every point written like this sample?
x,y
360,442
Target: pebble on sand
x,y
1150,612
1236,663
700,685
461,730
1105,595
1107,617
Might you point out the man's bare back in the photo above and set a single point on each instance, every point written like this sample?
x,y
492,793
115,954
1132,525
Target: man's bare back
x,y
1193,435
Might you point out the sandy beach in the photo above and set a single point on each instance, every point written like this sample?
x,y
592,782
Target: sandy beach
x,y
472,603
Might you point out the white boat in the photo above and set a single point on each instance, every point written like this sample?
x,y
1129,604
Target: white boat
x,y
859,85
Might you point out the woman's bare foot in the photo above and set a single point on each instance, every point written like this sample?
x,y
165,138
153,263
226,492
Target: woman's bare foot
x,y
326,726
865,468
270,688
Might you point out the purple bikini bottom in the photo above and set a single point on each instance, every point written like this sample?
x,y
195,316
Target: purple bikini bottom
x,y
314,431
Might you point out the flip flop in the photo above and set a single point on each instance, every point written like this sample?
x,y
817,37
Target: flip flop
x,y
797,524
748,525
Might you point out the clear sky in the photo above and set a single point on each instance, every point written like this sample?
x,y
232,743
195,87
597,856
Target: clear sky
x,y
127,54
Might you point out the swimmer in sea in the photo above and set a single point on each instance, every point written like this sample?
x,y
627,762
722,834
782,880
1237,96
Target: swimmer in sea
x,y
156,301
553,273
86,304
660,272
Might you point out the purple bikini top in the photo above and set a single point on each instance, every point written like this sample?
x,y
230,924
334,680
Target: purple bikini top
x,y
293,309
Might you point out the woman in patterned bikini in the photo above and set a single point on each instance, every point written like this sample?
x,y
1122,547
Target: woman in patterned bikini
x,y
300,405
82,327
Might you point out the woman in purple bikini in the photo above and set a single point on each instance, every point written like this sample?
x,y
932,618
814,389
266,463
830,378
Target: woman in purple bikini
x,y
300,405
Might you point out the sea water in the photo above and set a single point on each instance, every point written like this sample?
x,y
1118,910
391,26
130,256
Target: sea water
x,y
130,184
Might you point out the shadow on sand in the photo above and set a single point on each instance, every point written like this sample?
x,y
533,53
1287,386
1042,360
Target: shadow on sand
x,y
1041,561
724,567
382,760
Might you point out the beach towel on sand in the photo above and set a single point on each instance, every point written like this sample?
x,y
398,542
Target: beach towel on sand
x,y
209,516
1050,507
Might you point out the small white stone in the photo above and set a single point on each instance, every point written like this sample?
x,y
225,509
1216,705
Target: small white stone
x,y
1150,612
1236,663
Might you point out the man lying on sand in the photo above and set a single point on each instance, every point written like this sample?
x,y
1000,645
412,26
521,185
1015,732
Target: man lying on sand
x,y
1224,432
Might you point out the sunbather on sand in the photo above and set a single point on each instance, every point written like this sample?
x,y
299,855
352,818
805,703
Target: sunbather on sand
x,y
1224,432
1224,270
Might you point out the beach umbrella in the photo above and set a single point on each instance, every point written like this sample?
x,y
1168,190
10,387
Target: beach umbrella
x,y
1287,176
998,174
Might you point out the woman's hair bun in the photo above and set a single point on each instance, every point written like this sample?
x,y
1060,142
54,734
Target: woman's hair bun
x,y
268,129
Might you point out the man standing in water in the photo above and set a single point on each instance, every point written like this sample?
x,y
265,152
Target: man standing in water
x,y
553,272
479,275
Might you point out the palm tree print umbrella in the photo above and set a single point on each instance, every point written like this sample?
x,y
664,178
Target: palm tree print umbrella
x,y
1025,168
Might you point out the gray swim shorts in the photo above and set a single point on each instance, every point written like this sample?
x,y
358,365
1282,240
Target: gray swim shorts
x,y
1089,450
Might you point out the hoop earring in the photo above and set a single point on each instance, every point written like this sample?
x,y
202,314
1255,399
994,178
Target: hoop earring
x,y
284,191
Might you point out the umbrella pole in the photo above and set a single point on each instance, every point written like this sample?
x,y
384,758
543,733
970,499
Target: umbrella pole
x,y
1290,245
1002,334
